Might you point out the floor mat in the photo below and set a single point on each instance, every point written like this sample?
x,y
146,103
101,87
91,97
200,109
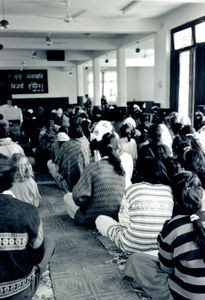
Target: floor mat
x,y
80,268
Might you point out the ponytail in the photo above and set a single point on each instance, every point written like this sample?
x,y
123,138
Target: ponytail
x,y
108,147
199,236
188,194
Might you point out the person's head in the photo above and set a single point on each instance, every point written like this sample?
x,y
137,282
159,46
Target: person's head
x,y
7,171
3,131
187,192
1,117
109,146
154,171
173,166
126,131
75,129
23,167
194,161
154,132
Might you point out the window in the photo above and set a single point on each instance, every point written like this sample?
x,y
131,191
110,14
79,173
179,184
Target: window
x,y
183,38
200,32
110,86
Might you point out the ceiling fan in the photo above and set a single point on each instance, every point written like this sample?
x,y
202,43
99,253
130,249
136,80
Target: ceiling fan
x,y
69,17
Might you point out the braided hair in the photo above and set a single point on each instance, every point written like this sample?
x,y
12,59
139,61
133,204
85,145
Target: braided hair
x,y
188,193
108,146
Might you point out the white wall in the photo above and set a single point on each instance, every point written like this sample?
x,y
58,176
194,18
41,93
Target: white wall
x,y
140,83
60,84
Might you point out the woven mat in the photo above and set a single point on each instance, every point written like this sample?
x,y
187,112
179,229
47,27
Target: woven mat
x,y
80,268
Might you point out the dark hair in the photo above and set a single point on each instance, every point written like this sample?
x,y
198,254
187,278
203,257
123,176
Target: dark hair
x,y
7,171
173,166
188,193
153,130
153,171
126,131
108,146
75,129
194,161
3,132
1,117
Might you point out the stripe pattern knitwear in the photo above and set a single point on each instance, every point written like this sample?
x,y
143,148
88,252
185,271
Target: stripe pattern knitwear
x,y
179,255
143,212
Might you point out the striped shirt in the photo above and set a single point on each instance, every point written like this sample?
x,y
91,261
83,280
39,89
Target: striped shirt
x,y
180,256
143,212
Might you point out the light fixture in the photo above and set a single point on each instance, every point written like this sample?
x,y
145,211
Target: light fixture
x,y
107,60
129,6
3,23
137,50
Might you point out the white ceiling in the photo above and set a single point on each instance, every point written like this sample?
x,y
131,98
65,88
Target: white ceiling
x,y
100,30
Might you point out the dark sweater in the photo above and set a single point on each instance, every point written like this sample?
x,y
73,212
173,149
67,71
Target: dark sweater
x,y
99,191
21,243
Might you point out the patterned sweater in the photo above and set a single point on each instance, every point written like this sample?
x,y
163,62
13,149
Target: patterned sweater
x,y
143,211
99,191
74,156
21,244
180,256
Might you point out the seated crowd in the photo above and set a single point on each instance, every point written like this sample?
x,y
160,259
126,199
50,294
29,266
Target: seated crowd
x,y
139,182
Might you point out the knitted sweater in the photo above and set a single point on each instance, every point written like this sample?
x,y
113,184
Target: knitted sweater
x,y
21,244
99,191
143,211
180,257
74,156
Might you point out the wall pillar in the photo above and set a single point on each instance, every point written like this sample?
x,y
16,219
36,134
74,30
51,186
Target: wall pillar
x,y
121,78
96,82
162,68
79,80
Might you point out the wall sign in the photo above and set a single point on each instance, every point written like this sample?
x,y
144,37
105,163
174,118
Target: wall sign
x,y
25,82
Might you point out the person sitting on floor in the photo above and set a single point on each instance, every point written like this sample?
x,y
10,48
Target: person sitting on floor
x,y
53,163
100,188
74,155
7,146
155,148
179,270
144,209
24,251
127,142
24,186
101,128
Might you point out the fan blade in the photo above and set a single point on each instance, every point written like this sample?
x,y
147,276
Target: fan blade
x,y
51,17
78,13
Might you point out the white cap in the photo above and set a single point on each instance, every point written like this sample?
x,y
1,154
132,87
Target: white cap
x,y
130,121
62,137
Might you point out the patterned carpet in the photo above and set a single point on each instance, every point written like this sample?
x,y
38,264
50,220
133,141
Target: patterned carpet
x,y
81,269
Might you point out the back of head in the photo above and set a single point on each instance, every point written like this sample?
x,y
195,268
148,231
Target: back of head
x,y
126,131
109,146
3,132
154,132
187,192
23,167
154,171
194,161
7,171
75,129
